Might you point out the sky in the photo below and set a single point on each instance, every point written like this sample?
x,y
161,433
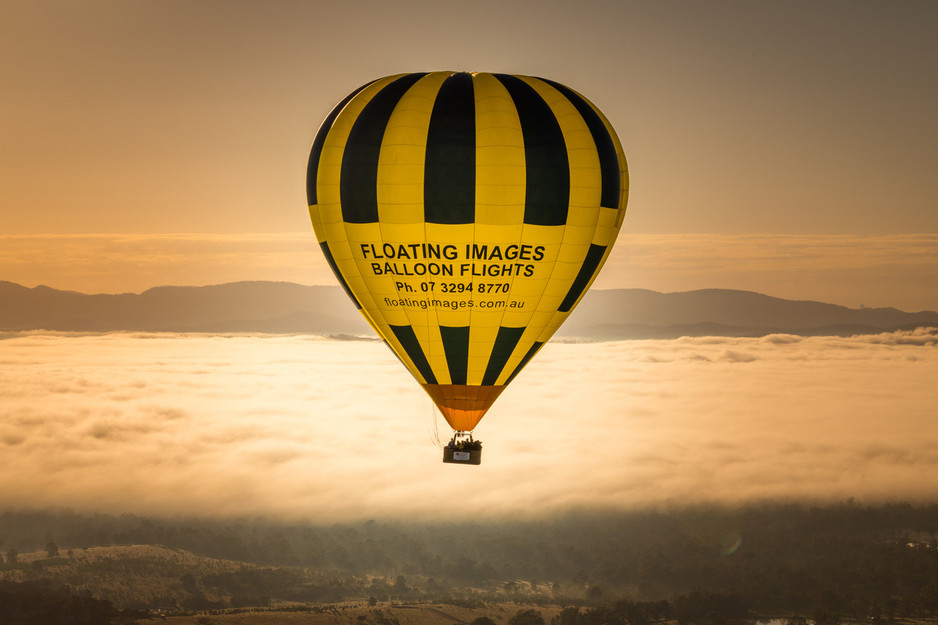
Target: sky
x,y
782,147
240,425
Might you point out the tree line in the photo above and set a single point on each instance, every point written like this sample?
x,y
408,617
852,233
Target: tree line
x,y
44,603
843,560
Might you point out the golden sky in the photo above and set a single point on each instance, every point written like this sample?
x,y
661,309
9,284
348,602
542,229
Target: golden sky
x,y
785,147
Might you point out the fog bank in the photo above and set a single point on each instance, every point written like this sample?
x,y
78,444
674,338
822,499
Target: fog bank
x,y
303,427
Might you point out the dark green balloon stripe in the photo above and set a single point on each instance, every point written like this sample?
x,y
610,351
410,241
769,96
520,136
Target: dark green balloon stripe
x,y
449,173
547,169
315,152
408,340
587,269
456,348
335,269
505,342
524,361
358,182
608,159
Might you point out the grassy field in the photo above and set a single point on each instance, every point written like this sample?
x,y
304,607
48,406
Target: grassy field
x,y
361,614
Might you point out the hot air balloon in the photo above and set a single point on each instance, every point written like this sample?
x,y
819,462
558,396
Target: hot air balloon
x,y
465,215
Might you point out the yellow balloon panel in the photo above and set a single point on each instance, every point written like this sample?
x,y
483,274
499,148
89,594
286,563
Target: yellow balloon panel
x,y
466,215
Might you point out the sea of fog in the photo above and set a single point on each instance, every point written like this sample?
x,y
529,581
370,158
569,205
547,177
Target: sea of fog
x,y
307,427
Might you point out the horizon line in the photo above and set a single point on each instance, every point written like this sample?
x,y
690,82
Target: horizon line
x,y
337,286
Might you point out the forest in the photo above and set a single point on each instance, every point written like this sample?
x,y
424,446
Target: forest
x,y
708,565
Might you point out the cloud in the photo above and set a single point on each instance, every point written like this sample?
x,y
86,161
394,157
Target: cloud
x,y
303,427
730,355
782,339
926,337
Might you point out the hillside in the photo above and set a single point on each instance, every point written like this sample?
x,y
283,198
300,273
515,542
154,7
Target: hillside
x,y
272,307
279,307
860,564
639,313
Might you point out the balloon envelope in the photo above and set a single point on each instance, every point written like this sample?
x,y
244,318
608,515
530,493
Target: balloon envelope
x,y
466,214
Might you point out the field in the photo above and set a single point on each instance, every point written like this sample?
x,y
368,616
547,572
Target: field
x,y
383,613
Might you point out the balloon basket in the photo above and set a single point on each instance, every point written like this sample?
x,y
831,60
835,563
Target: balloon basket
x,y
463,450
456,456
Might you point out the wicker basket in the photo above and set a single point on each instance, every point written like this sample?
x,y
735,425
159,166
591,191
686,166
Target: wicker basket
x,y
456,456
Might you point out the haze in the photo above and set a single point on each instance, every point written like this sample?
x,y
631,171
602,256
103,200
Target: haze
x,y
786,147
308,428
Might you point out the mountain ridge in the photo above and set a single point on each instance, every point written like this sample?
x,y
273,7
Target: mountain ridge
x,y
290,308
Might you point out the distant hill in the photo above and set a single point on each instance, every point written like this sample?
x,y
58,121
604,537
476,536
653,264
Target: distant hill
x,y
640,313
285,308
274,307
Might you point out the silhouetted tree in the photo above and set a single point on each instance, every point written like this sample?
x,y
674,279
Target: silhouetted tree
x,y
706,608
400,586
823,616
189,583
595,594
527,617
567,616
40,602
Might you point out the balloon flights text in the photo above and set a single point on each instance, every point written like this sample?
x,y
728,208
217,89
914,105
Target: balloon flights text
x,y
420,260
